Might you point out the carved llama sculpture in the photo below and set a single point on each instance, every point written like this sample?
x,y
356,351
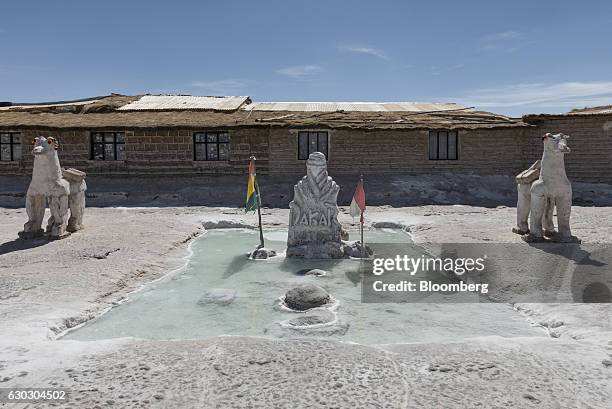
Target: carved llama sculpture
x,y
49,187
552,188
524,181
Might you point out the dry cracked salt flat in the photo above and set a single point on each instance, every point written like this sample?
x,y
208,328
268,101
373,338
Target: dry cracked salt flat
x,y
161,349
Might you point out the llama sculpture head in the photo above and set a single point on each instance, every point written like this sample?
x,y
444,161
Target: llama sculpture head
x,y
44,146
47,173
556,144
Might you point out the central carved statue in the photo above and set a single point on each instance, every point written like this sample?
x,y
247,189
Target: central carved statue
x,y
314,231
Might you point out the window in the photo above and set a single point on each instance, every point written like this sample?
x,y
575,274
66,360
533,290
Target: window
x,y
310,142
108,146
443,145
211,146
10,146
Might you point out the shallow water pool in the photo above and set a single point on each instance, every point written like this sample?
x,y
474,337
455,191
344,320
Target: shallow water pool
x,y
169,308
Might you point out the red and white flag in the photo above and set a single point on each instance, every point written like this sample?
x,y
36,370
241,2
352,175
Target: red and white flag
x,y
358,204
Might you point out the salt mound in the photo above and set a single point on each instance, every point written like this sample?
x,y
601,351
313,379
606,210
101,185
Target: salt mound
x,y
318,322
225,224
219,296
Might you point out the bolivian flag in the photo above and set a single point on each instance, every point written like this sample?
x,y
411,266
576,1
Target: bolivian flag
x,y
251,197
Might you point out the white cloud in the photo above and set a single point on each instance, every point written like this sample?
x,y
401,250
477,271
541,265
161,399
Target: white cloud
x,y
227,86
564,94
507,41
300,71
437,70
366,50
503,36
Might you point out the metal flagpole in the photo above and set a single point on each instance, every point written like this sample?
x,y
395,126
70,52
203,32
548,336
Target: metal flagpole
x,y
361,220
362,244
261,237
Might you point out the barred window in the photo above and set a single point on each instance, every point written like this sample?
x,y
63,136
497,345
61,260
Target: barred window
x,y
443,145
10,146
211,146
108,146
310,142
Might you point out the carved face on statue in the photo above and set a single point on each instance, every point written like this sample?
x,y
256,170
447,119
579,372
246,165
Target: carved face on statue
x,y
316,166
556,143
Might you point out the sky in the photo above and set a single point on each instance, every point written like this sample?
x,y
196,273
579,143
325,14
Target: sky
x,y
511,57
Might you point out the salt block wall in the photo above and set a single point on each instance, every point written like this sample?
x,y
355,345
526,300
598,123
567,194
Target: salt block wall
x,y
150,151
485,152
590,141
170,151
69,150
499,151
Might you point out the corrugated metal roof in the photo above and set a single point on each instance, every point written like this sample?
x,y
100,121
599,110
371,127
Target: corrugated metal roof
x,y
184,102
352,106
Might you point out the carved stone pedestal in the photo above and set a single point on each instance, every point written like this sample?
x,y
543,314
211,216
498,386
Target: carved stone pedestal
x,y
76,178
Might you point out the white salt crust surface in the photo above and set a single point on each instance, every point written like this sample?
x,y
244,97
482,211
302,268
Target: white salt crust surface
x,y
48,287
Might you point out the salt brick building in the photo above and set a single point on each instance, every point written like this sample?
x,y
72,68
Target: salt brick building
x,y
189,135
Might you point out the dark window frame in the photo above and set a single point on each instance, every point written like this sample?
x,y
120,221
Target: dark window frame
x,y
437,135
12,145
114,143
307,134
208,143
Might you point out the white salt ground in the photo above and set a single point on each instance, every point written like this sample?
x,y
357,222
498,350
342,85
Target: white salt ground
x,y
47,287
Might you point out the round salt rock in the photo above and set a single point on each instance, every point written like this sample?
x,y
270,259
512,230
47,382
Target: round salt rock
x,y
315,272
306,296
262,253
354,249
